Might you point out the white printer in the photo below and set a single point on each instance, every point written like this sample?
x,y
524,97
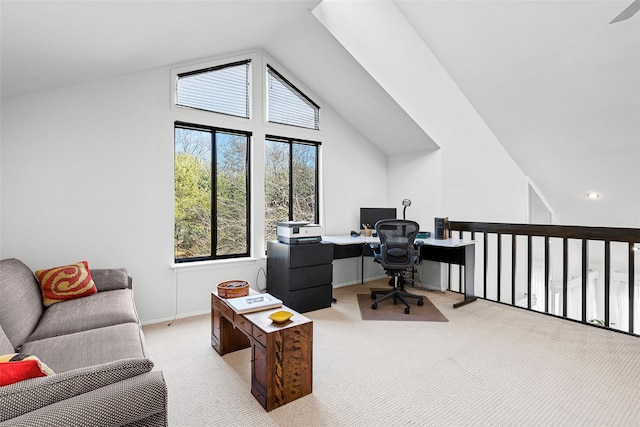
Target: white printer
x,y
296,232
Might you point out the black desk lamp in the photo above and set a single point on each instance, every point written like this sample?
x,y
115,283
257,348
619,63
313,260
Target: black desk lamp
x,y
405,203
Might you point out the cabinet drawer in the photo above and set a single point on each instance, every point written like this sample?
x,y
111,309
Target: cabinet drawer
x,y
215,302
309,255
311,299
259,335
347,251
226,311
242,322
310,277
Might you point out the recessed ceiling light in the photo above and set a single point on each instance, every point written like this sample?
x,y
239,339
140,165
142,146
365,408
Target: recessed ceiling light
x,y
593,195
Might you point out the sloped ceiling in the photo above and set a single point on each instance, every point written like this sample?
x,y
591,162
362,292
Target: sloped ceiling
x,y
52,44
557,84
560,88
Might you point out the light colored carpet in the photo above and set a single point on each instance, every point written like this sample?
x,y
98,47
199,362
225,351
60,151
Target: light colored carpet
x,y
489,365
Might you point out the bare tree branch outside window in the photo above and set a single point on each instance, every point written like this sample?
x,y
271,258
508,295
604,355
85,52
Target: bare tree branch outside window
x,y
291,178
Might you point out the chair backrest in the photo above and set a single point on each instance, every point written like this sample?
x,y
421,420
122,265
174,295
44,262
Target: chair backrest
x,y
397,237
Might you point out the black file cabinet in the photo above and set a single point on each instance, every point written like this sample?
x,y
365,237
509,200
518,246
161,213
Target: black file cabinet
x,y
300,275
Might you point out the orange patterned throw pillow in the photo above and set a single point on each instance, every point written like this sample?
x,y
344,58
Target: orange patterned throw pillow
x,y
65,283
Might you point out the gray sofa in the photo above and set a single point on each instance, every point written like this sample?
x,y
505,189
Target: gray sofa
x,y
93,344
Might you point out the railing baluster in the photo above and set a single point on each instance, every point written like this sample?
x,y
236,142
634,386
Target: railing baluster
x,y
607,280
485,240
499,264
585,277
565,275
546,274
513,269
529,269
632,285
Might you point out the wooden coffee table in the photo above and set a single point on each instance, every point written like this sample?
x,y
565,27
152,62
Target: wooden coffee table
x,y
281,354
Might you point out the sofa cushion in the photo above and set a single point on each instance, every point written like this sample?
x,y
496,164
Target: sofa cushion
x,y
92,347
96,311
5,344
27,396
21,302
65,282
16,367
108,279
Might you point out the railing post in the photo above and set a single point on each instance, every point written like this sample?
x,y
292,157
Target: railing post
x,y
546,274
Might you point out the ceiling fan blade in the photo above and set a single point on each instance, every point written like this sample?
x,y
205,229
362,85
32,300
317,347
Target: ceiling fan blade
x,y
628,12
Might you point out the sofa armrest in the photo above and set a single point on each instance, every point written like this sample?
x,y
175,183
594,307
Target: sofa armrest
x,y
108,279
140,400
30,395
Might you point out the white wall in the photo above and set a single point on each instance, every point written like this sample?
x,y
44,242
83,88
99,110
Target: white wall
x,y
87,173
417,177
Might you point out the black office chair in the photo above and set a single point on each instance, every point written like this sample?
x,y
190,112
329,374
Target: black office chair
x,y
397,252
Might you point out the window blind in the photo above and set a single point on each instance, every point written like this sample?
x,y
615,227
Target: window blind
x,y
222,89
287,105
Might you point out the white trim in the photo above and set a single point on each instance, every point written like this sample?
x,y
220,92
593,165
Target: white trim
x,y
199,265
171,319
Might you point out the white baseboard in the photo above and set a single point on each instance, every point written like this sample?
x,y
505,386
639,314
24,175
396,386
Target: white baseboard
x,y
172,318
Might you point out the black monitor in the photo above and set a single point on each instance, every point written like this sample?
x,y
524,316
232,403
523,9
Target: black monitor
x,y
369,216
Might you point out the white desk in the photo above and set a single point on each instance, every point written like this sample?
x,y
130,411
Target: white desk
x,y
349,240
362,240
451,251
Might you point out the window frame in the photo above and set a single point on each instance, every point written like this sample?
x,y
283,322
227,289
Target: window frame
x,y
291,141
258,125
288,82
214,220
205,116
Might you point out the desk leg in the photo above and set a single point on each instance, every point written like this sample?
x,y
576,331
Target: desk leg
x,y
469,276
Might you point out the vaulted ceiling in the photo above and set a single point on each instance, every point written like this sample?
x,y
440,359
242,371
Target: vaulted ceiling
x,y
557,84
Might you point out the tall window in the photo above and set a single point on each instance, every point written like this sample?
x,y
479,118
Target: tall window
x,y
287,105
223,89
291,182
211,193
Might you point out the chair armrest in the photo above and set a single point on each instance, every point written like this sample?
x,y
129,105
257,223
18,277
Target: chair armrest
x,y
25,396
375,248
140,400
